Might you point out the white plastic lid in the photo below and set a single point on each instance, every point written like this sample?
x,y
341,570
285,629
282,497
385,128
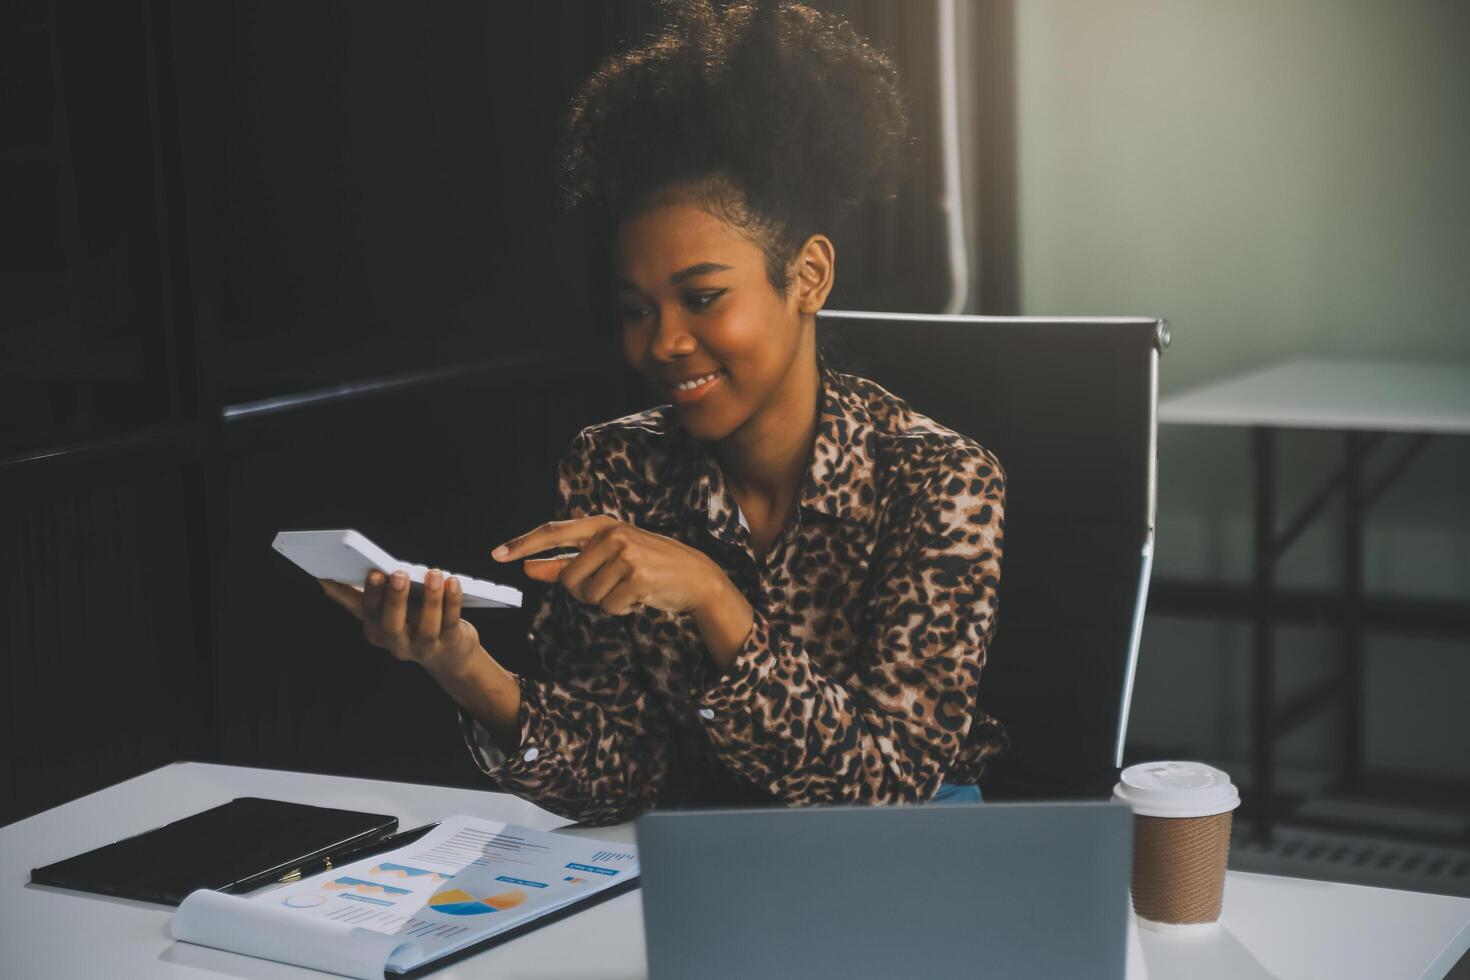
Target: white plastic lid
x,y
1176,789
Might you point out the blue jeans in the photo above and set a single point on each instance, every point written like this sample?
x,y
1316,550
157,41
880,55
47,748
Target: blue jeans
x,y
955,793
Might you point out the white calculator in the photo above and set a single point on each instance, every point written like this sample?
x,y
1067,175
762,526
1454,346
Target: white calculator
x,y
347,557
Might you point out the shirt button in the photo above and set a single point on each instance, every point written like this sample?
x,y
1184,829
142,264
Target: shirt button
x,y
706,713
530,754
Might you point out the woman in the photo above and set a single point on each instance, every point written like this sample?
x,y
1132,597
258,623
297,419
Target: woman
x,y
786,579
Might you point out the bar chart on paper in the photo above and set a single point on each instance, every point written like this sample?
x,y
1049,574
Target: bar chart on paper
x,y
464,872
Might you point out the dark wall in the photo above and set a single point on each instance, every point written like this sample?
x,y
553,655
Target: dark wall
x,y
207,206
84,344
102,673
217,204
381,187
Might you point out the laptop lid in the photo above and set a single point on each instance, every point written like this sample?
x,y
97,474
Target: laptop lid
x,y
1015,890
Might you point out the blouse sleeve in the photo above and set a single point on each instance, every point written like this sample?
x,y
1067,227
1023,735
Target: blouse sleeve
x,y
591,748
893,729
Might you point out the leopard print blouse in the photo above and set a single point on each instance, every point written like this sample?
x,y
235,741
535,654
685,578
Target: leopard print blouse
x,y
858,680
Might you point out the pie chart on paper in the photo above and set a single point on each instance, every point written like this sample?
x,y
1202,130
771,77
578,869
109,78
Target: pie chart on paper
x,y
457,901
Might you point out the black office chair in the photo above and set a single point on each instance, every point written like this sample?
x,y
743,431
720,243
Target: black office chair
x,y
1068,407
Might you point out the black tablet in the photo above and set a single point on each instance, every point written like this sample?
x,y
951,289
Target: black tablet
x,y
234,847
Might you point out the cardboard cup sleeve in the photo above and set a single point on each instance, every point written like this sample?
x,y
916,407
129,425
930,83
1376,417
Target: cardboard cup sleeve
x,y
1179,867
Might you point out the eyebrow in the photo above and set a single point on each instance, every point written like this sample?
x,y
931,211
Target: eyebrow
x,y
702,268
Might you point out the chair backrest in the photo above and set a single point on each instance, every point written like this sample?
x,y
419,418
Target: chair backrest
x,y
1068,407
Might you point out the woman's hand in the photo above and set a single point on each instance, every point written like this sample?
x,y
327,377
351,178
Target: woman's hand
x,y
620,567
427,631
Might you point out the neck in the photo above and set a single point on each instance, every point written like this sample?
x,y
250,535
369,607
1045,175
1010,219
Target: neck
x,y
765,459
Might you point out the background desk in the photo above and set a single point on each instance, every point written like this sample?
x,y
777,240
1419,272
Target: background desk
x,y
1274,927
1366,402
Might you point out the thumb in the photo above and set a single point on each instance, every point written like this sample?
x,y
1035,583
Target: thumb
x,y
343,595
545,569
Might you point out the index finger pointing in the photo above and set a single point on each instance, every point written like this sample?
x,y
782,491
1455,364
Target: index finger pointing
x,y
552,534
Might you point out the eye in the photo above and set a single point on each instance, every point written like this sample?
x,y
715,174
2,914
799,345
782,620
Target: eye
x,y
699,301
630,312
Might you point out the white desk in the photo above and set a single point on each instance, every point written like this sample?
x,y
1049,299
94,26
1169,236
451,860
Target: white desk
x,y
1333,393
1273,927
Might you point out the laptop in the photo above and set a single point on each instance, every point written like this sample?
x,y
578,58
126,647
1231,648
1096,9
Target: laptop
x,y
1013,890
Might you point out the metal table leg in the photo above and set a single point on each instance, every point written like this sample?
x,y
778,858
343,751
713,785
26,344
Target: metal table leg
x,y
1263,736
1352,621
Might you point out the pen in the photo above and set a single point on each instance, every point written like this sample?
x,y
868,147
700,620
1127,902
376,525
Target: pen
x,y
364,850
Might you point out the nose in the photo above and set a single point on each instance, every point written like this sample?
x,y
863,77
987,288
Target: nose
x,y
671,337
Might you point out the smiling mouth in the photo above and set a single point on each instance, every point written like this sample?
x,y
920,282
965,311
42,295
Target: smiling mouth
x,y
687,395
697,383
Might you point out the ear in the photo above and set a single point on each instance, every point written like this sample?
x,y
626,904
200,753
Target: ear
x,y
814,273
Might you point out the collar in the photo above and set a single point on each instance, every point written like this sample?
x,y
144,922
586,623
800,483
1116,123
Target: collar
x,y
839,476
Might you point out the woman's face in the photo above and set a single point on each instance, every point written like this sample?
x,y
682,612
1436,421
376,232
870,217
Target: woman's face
x,y
694,300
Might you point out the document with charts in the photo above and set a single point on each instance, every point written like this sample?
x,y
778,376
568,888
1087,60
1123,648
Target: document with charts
x,y
465,882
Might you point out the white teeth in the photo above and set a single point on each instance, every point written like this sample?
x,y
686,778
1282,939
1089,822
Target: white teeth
x,y
689,385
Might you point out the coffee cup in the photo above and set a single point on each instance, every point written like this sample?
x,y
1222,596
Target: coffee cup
x,y
1181,839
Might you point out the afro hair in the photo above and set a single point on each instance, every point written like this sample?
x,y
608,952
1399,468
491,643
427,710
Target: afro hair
x,y
779,118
